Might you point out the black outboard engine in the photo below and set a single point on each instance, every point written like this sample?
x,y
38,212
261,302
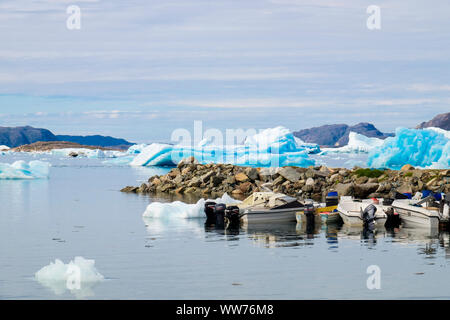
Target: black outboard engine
x,y
232,213
210,213
310,218
220,215
393,219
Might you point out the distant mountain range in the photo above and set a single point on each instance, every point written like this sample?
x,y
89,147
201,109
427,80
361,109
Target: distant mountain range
x,y
18,136
440,121
336,135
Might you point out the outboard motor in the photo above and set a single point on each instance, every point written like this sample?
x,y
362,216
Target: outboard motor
x,y
210,213
368,216
310,218
219,211
446,207
232,213
393,219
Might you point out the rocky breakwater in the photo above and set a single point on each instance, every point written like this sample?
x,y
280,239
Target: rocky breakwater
x,y
192,178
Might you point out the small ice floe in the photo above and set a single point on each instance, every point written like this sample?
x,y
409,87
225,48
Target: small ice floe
x,y
181,210
4,148
357,143
22,170
178,216
79,276
87,153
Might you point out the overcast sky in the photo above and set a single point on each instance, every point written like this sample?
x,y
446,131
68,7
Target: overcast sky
x,y
139,69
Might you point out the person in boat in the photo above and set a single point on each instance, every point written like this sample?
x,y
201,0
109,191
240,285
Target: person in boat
x,y
368,215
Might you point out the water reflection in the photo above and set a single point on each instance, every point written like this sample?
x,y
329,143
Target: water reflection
x,y
59,288
305,233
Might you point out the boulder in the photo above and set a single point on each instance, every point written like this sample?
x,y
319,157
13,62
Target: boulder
x,y
344,189
310,182
361,180
216,180
241,177
195,182
129,189
252,173
344,172
205,178
186,161
245,187
362,191
407,167
289,173
236,192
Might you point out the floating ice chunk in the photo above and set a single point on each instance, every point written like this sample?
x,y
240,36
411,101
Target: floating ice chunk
x,y
279,140
270,147
136,148
22,170
181,210
78,276
156,154
4,148
87,153
426,148
357,143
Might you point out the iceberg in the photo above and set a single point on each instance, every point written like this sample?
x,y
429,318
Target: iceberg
x,y
78,276
4,148
87,153
424,148
181,210
357,143
22,170
274,147
136,148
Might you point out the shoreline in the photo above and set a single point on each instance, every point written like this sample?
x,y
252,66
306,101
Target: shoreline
x,y
192,178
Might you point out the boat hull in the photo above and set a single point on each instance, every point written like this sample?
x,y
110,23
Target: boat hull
x,y
413,219
270,216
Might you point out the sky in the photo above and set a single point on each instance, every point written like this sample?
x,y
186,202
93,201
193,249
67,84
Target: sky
x,y
139,69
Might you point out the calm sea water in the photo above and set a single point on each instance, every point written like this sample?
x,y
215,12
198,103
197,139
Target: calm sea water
x,y
79,211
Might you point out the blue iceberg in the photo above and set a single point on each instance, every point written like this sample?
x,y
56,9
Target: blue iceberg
x,y
425,148
23,170
274,147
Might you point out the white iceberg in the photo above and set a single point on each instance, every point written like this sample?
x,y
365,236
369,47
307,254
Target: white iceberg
x,y
357,143
181,210
136,148
87,153
274,147
78,276
424,148
22,170
4,148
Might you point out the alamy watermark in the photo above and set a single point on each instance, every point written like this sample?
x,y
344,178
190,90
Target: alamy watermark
x,y
374,20
74,20
374,280
73,281
248,146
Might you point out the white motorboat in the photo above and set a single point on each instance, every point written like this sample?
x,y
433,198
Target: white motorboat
x,y
269,207
351,210
426,213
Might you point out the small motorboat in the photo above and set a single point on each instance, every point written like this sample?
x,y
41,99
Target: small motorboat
x,y
429,212
269,207
350,210
326,211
